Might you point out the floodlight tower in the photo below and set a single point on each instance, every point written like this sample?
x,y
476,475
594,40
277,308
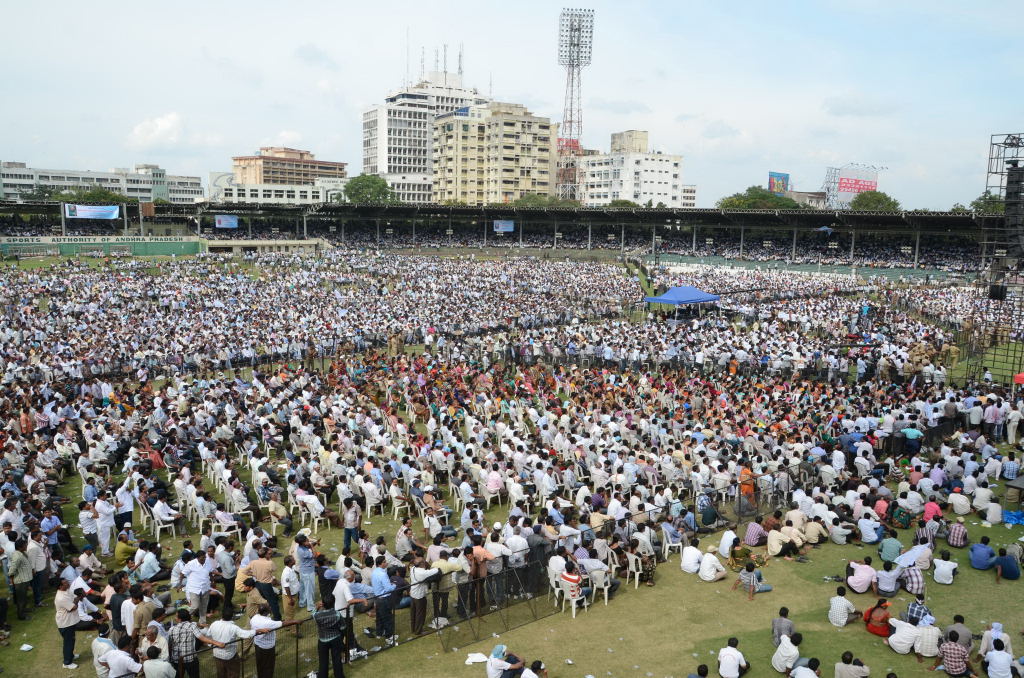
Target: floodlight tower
x,y
575,43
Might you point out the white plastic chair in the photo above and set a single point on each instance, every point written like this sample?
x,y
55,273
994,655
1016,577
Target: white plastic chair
x,y
553,584
633,569
667,545
599,582
567,597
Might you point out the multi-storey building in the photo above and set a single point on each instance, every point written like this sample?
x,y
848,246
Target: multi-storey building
x,y
632,172
280,165
398,134
224,189
145,182
493,153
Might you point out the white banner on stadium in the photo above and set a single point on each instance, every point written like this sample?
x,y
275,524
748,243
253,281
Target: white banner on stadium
x,y
225,221
91,211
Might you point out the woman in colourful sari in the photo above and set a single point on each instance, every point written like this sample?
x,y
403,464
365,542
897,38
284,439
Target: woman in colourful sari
x,y
741,554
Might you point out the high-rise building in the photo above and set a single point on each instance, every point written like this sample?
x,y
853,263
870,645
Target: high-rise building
x,y
145,181
630,171
398,134
493,153
630,141
280,165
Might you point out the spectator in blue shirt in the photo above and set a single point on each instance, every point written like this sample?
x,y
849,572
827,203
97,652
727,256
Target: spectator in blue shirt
x,y
306,567
383,602
1006,566
982,555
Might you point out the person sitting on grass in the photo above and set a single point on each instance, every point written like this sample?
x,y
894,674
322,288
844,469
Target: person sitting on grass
x,y
782,626
840,610
740,554
851,667
1006,567
982,555
752,581
731,662
711,568
876,618
787,655
929,636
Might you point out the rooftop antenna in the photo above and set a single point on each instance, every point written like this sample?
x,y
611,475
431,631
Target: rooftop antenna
x,y
407,56
490,85
435,60
460,59
445,71
423,54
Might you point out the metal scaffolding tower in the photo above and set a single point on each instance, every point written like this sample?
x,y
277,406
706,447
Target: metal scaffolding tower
x,y
575,43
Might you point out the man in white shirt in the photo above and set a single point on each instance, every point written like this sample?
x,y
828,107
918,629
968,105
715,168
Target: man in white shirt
x,y
265,643
197,583
227,632
118,662
945,569
691,557
711,568
731,663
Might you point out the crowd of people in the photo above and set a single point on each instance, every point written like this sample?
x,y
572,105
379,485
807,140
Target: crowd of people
x,y
828,406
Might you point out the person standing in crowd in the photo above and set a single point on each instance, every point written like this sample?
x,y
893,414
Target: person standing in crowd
x,y
330,631
228,650
66,603
181,642
266,643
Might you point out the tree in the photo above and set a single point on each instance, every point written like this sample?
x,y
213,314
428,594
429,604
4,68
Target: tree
x,y
959,209
875,201
988,203
38,194
454,203
94,195
757,198
369,189
619,202
539,200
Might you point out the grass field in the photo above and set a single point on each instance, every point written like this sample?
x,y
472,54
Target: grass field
x,y
662,632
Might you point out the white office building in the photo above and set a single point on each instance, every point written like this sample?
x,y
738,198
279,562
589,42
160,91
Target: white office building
x,y
145,182
398,134
632,172
224,189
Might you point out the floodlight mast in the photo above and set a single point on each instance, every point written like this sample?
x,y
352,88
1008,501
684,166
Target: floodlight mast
x,y
575,45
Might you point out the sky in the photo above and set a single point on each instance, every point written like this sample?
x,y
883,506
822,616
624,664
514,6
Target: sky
x,y
739,88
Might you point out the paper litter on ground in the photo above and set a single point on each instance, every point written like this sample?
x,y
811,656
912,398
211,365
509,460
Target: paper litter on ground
x,y
475,658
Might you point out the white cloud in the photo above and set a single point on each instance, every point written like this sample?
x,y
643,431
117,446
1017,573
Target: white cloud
x,y
286,137
619,106
159,132
719,129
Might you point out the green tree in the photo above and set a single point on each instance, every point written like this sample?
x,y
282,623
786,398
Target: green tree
x,y
619,202
539,200
455,203
369,189
988,203
94,195
38,194
874,201
757,198
959,209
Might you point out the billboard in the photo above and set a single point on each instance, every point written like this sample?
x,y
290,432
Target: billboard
x,y
855,180
504,226
778,182
91,211
225,221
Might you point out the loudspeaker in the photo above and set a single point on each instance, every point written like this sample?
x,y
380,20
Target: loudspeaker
x,y
997,292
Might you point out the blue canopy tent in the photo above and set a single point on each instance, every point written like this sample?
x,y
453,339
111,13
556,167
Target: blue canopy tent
x,y
677,296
